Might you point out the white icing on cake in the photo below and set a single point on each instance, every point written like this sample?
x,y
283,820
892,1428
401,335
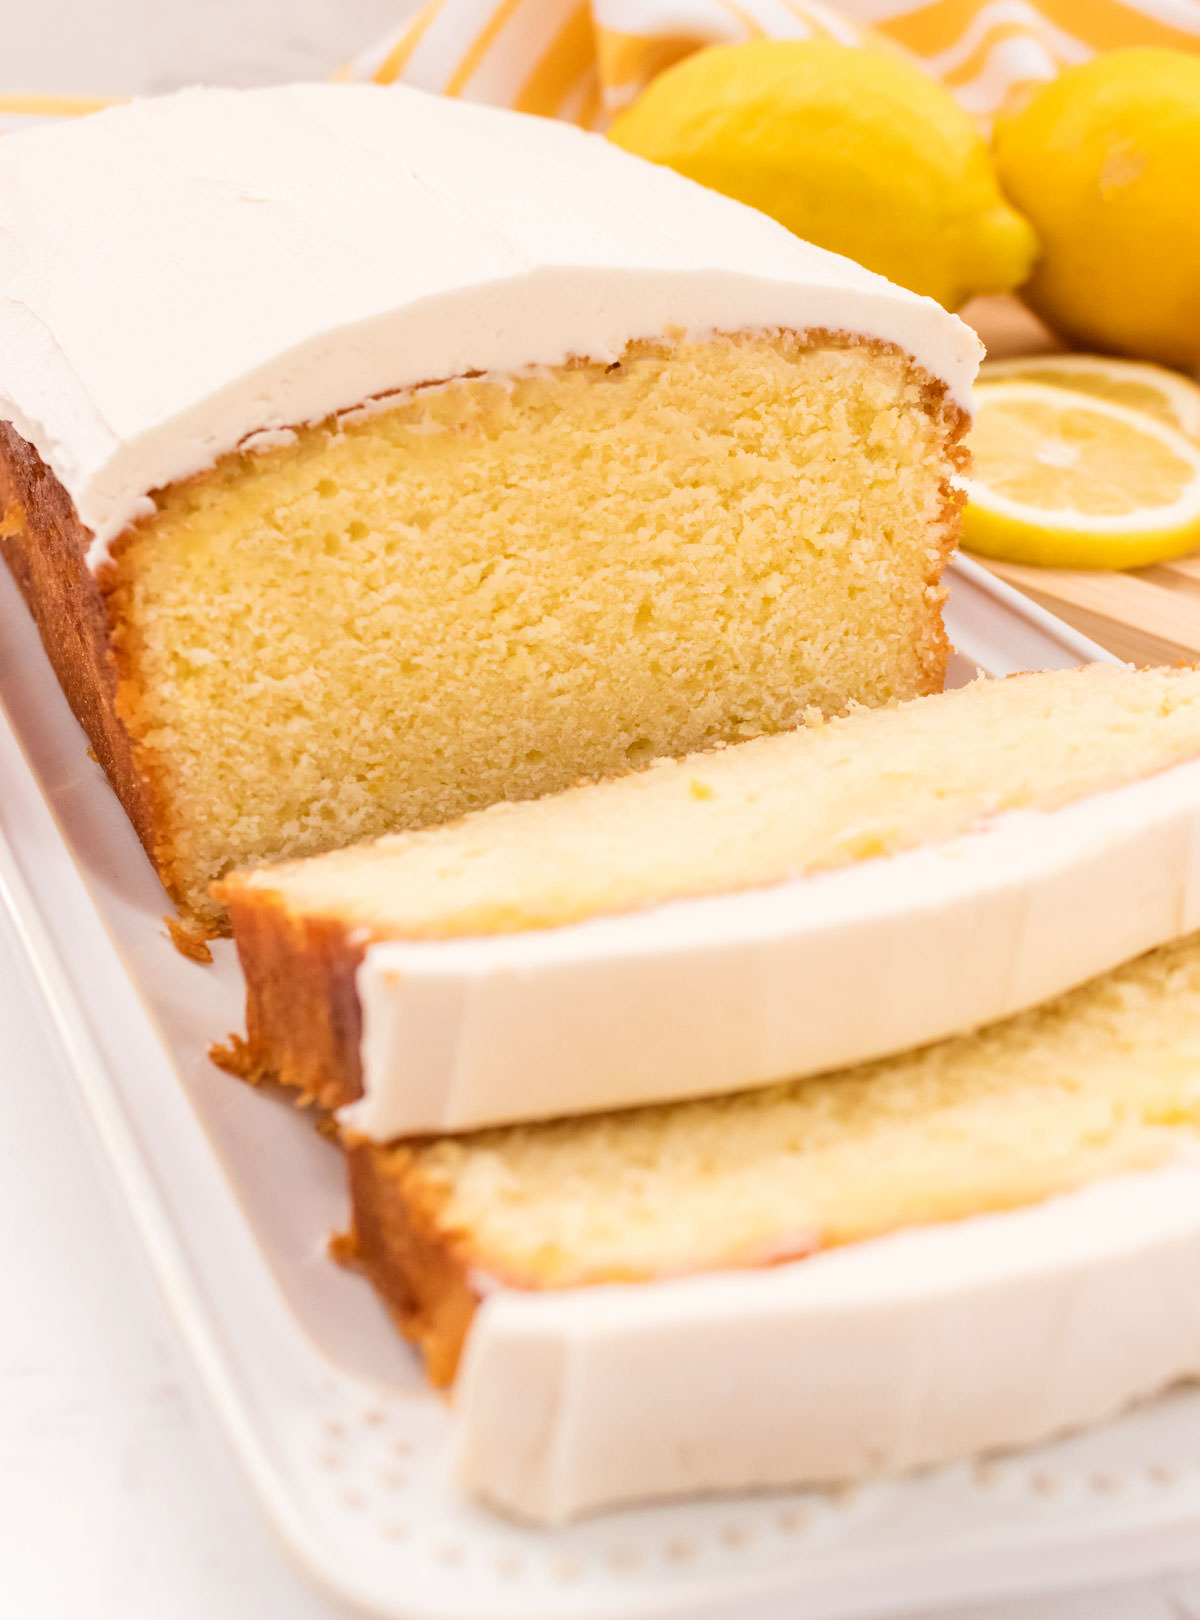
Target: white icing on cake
x,y
176,274
903,1352
718,993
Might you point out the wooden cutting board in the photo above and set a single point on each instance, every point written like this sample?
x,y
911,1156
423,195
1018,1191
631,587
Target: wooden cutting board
x,y
1148,615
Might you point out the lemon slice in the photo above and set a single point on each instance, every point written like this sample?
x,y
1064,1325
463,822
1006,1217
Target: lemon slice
x,y
1164,394
1065,481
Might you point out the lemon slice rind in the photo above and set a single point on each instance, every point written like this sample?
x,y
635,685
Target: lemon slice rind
x,y
995,525
1179,394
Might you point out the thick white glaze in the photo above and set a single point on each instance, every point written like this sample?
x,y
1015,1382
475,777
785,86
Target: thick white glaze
x,y
176,274
904,1352
736,990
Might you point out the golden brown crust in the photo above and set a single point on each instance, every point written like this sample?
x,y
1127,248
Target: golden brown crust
x,y
418,1269
303,1020
956,423
189,939
45,546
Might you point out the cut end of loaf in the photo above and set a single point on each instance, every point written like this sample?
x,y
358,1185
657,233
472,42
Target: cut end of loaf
x,y
492,588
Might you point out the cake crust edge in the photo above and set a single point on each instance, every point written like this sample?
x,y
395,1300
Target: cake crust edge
x,y
420,1272
303,1015
45,546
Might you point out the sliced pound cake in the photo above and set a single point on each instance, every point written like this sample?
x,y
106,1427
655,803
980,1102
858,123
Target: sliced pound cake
x,y
1104,1079
384,456
750,914
639,1318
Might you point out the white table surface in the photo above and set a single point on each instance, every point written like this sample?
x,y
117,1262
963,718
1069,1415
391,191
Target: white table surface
x,y
117,1500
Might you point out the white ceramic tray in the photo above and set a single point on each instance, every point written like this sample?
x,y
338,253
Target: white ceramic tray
x,y
233,1196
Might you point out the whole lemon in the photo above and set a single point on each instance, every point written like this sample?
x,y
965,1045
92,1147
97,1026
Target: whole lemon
x,y
853,149
1106,163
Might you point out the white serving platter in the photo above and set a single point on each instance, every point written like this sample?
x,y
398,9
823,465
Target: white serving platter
x,y
233,1195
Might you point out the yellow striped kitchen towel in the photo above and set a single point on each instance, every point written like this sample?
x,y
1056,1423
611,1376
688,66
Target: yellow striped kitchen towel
x,y
583,60
18,111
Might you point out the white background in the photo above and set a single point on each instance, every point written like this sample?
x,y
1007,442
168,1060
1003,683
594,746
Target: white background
x,y
116,1499
116,47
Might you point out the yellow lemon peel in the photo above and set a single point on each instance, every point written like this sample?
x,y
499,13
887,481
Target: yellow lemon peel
x,y
1105,161
856,150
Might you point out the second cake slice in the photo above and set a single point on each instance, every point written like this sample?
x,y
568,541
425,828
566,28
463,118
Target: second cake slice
x,y
761,912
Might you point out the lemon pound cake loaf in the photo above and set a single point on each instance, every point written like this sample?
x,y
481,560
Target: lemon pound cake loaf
x,y
371,457
978,1245
745,915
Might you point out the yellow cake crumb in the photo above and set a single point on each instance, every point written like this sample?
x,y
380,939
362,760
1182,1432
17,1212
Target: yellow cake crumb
x,y
492,588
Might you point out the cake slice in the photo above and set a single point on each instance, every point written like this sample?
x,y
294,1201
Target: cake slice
x,y
976,1245
745,915
368,456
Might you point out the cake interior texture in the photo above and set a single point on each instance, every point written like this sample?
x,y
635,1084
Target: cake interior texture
x,y
494,587
1103,1080
827,794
